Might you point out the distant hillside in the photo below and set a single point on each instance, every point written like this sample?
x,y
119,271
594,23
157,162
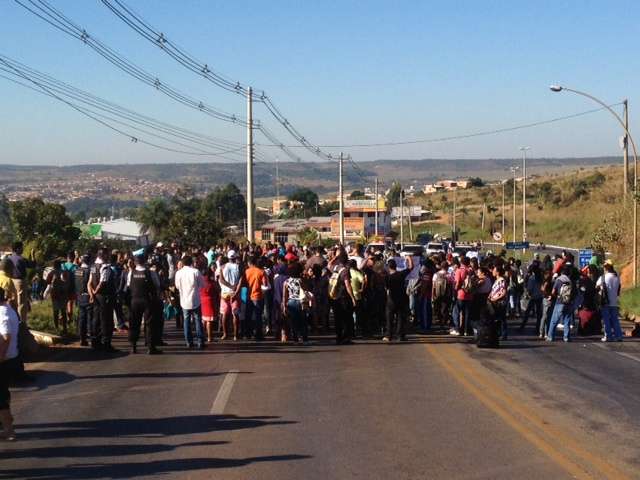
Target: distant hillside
x,y
320,176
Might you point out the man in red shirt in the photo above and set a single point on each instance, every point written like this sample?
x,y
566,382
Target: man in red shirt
x,y
464,298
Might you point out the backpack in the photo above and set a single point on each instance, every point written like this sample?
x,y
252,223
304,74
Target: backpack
x,y
603,297
565,295
470,284
440,286
59,284
413,286
334,284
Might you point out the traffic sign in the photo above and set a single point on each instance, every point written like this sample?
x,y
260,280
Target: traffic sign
x,y
585,257
517,245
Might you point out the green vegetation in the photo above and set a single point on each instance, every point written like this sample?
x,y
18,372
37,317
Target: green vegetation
x,y
41,318
630,301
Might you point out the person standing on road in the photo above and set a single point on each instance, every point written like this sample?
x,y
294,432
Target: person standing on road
x,y
498,300
609,286
143,288
59,283
83,300
397,300
229,279
255,279
534,291
464,298
210,299
564,294
294,299
9,363
548,302
189,281
103,291
20,265
343,301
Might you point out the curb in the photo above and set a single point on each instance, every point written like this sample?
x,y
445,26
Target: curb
x,y
46,339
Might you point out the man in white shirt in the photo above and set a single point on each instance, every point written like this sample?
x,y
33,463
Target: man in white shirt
x,y
9,325
189,281
609,286
229,281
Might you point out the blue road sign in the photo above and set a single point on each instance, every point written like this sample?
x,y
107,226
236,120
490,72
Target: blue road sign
x,y
517,245
585,257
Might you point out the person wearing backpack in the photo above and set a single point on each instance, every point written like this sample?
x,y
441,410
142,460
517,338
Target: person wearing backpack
x,y
564,294
83,300
342,298
609,286
59,281
441,294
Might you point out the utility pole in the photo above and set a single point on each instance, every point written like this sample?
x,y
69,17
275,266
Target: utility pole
x,y
625,151
341,198
410,224
503,212
524,195
453,222
375,228
250,205
277,182
514,170
484,208
401,218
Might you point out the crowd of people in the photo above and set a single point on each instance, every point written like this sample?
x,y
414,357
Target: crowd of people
x,y
233,292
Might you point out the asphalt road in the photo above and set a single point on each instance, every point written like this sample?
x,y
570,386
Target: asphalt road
x,y
434,407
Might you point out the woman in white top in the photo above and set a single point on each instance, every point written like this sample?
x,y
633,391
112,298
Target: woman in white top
x,y
9,325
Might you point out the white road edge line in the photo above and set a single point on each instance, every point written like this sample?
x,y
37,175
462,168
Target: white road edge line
x,y
622,354
224,393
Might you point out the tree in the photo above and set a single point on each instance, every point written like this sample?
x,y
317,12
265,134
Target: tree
x,y
45,228
393,197
154,217
476,182
228,202
308,197
6,231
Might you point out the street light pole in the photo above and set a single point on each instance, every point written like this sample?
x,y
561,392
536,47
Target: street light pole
x,y
625,127
504,235
524,194
514,170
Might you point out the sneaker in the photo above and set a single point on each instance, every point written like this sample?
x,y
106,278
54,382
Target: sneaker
x,y
566,340
386,339
604,339
8,436
455,333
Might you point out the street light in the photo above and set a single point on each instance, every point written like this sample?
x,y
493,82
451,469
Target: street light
x,y
625,127
514,170
524,194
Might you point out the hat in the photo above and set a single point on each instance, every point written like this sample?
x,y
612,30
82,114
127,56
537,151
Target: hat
x,y
608,262
232,254
159,245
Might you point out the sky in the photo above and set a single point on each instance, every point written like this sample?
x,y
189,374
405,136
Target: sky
x,y
342,73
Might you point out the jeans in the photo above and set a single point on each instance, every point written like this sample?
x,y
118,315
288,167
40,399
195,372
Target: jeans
x,y
298,320
547,310
462,307
194,315
85,320
253,318
534,306
611,319
562,313
425,313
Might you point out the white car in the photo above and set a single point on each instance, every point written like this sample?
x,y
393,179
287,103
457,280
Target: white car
x,y
434,248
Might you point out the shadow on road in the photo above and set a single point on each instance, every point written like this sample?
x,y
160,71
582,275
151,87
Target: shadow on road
x,y
111,450
137,469
144,427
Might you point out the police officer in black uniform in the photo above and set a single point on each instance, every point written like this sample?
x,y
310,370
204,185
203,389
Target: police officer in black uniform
x,y
143,293
83,300
103,289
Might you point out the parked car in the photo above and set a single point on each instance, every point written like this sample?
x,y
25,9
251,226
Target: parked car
x,y
435,248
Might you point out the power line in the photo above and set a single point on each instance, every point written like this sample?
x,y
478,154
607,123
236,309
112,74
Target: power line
x,y
57,19
92,100
160,40
89,113
465,136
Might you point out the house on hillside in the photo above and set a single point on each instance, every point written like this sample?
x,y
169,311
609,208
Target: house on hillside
x,y
126,230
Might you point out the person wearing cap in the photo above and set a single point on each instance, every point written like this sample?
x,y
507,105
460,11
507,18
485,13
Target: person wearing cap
x,y
83,299
609,286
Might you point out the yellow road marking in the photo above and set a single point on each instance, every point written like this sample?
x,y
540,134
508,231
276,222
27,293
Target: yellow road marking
x,y
545,437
